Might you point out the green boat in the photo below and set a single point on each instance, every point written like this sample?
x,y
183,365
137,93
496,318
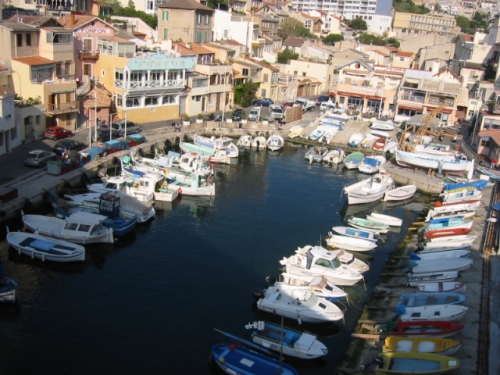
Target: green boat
x,y
369,225
352,161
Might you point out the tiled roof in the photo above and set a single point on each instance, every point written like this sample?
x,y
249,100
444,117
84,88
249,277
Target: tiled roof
x,y
263,64
293,41
103,99
80,20
185,4
4,91
404,54
233,42
196,48
381,52
33,60
116,39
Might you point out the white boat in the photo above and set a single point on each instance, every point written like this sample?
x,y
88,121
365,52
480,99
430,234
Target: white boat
x,y
355,139
461,197
288,341
316,154
356,233
8,288
400,193
317,284
429,162
334,156
45,248
372,164
329,132
345,258
441,286
386,219
316,134
369,190
221,143
245,140
449,313
454,209
350,243
431,214
259,142
391,147
437,255
415,279
435,149
443,246
465,239
295,131
298,303
368,225
79,227
431,266
382,125
321,262
119,183
275,142
152,184
369,140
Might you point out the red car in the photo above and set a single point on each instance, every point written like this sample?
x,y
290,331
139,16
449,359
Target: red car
x,y
56,132
287,104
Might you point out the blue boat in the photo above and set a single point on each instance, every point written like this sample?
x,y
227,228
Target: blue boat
x,y
428,299
479,185
447,222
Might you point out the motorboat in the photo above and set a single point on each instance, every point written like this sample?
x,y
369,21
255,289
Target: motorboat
x,y
45,248
345,258
355,139
454,209
436,150
400,193
316,134
436,255
350,243
461,197
259,142
120,183
321,262
382,125
221,143
298,303
429,299
8,287
290,342
441,287
245,140
295,131
435,328
318,284
79,227
370,189
433,345
385,219
200,185
356,233
353,160
415,279
448,223
431,266
372,164
316,154
449,313
334,156
368,225
405,158
415,363
209,155
275,142
236,359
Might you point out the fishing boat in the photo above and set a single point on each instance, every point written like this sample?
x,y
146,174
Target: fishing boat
x,y
370,189
385,219
433,328
156,185
321,262
429,299
448,223
441,287
245,140
478,184
316,134
353,160
318,284
275,142
431,266
221,143
209,155
436,255
236,359
298,303
449,313
79,227
400,193
415,279
303,345
404,158
356,233
382,125
415,363
350,243
8,287
259,142
433,345
368,225
45,248
355,139
295,131
446,232
461,197
372,164
334,156
345,258
316,154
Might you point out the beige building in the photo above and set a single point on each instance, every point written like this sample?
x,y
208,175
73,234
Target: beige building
x,y
313,78
425,23
403,59
185,21
269,83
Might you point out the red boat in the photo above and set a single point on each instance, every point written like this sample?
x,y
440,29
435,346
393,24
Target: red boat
x,y
446,232
441,204
426,329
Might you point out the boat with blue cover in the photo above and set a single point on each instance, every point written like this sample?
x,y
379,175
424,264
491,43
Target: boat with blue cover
x,y
415,363
449,222
356,233
479,185
427,299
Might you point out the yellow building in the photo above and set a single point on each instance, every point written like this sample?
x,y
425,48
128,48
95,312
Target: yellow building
x,y
425,23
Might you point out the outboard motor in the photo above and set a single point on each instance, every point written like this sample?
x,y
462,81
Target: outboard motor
x,y
258,294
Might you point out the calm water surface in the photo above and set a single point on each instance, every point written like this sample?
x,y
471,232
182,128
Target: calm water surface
x,y
151,302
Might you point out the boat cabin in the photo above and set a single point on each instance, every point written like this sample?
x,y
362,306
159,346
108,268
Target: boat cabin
x,y
83,223
109,205
322,258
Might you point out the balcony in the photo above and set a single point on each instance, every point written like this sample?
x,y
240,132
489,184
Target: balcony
x,y
62,107
88,55
210,69
413,98
141,85
438,101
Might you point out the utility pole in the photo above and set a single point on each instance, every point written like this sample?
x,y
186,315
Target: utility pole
x,y
96,79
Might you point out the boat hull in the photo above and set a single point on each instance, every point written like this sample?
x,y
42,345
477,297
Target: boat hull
x,y
426,329
401,193
415,363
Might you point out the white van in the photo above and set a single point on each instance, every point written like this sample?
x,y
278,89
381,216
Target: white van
x,y
254,114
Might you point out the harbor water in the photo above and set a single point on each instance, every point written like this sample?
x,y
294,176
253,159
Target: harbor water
x,y
150,303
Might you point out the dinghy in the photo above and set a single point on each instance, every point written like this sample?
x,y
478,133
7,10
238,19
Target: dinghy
x,y
345,258
415,363
429,299
275,142
245,140
368,225
441,287
431,266
433,345
449,313
334,156
372,164
288,341
316,134
350,243
466,239
356,233
385,219
45,248
355,139
442,247
426,329
318,284
446,232
432,214
415,279
353,160
382,125
437,255
295,131
401,193
316,154
369,190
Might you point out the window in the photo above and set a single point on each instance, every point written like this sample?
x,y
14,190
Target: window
x,y
169,99
37,119
200,82
206,36
207,19
263,93
244,72
149,5
164,15
133,102
165,33
19,38
266,78
41,73
58,38
485,142
401,59
152,100
118,74
198,19
303,74
198,36
28,40
119,100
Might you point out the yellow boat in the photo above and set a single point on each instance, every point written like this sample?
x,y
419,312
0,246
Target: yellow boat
x,y
434,345
415,363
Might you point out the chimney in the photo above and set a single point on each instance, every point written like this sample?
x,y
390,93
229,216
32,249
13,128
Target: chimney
x,y
72,19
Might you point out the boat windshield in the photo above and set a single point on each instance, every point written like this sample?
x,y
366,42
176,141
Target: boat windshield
x,y
309,299
328,263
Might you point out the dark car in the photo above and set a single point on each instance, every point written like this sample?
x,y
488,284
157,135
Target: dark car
x,y
287,104
237,113
264,102
322,98
56,132
104,135
64,145
39,158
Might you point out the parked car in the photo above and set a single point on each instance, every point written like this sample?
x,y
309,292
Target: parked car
x,y
276,112
56,132
64,145
322,98
264,102
103,135
119,126
39,158
237,114
287,104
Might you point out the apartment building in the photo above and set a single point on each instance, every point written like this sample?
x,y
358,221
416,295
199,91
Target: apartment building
x,y
233,26
425,23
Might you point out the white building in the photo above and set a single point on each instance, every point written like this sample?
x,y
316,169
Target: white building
x,y
233,26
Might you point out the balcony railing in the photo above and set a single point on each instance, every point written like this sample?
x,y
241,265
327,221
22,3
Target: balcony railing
x,y
62,107
131,85
93,55
411,98
437,101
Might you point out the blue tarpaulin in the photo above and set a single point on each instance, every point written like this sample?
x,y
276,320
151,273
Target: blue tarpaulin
x,y
479,184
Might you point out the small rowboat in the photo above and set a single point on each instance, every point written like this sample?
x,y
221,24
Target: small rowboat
x,y
440,287
430,299
426,329
385,219
415,279
446,232
449,222
349,243
449,313
463,196
352,161
434,345
415,363
431,266
401,193
436,255
466,239
369,225
356,233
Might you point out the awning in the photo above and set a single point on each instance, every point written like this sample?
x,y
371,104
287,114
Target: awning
x,y
351,94
411,108
62,91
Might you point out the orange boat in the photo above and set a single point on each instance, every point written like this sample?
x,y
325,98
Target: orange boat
x,y
446,232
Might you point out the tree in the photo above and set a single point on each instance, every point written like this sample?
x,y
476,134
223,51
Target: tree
x,y
463,22
393,42
358,24
366,38
244,94
330,39
287,54
293,27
